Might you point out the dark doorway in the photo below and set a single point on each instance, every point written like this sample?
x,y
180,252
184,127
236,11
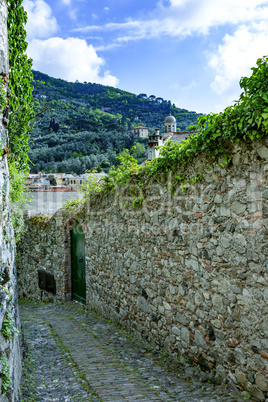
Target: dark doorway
x,y
78,264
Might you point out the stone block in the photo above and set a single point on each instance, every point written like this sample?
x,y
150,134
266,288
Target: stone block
x,y
176,331
200,340
142,304
255,391
185,335
241,378
218,303
263,152
238,208
261,382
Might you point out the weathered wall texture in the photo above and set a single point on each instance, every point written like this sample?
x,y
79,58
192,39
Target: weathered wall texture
x,y
45,246
188,271
10,352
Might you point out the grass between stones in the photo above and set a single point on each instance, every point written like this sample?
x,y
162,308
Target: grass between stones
x,y
28,390
79,376
114,338
30,380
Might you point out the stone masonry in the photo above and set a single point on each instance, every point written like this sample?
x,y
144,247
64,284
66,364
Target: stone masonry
x,y
10,355
188,270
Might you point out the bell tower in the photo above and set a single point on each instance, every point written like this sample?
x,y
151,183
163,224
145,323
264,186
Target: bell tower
x,y
170,124
155,140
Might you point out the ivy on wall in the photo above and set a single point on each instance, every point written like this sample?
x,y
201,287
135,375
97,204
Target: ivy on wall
x,y
20,109
20,96
246,120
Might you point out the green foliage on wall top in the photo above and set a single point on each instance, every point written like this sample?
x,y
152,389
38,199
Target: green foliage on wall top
x,y
246,120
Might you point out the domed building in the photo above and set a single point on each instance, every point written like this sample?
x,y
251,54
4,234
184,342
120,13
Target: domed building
x,y
170,124
156,139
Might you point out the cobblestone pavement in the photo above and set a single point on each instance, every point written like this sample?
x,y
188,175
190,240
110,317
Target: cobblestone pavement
x,y
75,355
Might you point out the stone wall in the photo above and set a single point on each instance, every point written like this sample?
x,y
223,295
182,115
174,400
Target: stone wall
x,y
10,353
187,271
45,246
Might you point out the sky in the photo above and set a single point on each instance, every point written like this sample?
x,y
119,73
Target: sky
x,y
191,52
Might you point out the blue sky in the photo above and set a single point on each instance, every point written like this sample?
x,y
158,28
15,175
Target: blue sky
x,y
192,52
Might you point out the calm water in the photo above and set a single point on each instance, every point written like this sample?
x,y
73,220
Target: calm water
x,y
48,203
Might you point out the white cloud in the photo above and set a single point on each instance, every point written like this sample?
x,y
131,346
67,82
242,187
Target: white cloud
x,y
70,59
41,23
106,9
73,13
180,18
236,55
187,87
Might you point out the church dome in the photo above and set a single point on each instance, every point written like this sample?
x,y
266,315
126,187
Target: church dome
x,y
170,119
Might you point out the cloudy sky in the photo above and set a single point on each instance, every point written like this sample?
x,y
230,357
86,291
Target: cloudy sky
x,y
192,52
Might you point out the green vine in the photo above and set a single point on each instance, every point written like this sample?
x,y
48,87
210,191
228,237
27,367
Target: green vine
x,y
3,96
40,220
5,376
8,328
20,109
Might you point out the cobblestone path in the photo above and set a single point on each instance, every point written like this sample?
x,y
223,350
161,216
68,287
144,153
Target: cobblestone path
x,y
75,355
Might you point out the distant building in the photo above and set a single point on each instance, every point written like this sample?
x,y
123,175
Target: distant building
x,y
170,124
140,131
74,183
170,133
155,140
65,182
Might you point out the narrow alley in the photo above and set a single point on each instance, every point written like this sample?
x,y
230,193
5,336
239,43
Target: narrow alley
x,y
72,354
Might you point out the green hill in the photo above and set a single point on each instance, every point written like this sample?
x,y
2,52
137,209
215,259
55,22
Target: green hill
x,y
85,125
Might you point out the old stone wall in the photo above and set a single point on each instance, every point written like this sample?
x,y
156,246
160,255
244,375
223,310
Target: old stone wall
x,y
10,351
45,246
188,270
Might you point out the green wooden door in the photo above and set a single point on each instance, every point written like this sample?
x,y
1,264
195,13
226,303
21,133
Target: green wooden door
x,y
78,264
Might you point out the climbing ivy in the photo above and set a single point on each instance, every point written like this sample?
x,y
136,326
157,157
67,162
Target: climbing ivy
x,y
8,327
20,108
246,120
3,96
5,375
20,88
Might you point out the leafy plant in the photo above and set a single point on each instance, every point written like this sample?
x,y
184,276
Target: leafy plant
x,y
5,376
20,108
20,88
3,96
8,328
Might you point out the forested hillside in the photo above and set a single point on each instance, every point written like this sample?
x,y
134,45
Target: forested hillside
x,y
80,126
